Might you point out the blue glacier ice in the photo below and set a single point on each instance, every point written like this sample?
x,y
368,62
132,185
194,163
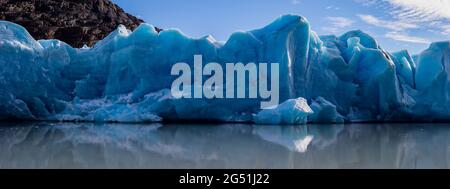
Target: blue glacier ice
x,y
126,77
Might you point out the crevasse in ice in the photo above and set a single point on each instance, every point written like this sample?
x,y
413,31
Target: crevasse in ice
x,y
126,77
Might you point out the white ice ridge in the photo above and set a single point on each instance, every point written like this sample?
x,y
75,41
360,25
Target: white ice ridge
x,y
126,77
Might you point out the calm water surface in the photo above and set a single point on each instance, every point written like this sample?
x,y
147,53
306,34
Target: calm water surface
x,y
62,145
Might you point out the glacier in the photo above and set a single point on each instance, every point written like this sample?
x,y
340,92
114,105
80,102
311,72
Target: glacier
x,y
126,77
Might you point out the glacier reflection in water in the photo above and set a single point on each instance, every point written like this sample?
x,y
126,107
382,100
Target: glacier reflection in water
x,y
64,145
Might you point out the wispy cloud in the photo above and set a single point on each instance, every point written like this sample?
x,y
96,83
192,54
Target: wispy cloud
x,y
392,25
340,22
399,36
295,2
445,29
421,10
332,8
414,10
336,24
407,16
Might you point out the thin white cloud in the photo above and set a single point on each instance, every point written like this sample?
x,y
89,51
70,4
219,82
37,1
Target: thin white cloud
x,y
332,8
398,36
445,29
367,2
340,22
392,25
337,24
295,2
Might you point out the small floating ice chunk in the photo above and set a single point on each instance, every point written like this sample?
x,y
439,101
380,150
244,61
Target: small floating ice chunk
x,y
291,112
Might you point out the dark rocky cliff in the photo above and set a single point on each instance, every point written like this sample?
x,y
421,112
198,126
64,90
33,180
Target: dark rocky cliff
x,y
76,22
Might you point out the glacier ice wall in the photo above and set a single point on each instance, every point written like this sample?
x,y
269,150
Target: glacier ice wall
x,y
126,77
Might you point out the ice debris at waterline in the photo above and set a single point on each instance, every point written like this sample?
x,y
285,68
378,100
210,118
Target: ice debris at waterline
x,y
126,77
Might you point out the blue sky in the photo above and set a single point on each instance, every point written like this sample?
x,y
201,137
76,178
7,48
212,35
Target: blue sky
x,y
396,24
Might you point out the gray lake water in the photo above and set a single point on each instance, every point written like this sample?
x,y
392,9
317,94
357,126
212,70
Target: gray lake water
x,y
63,145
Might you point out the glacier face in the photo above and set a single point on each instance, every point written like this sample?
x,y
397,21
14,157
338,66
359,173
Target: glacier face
x,y
126,77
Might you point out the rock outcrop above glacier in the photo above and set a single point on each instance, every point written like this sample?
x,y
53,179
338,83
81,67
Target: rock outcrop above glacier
x,y
126,77
75,22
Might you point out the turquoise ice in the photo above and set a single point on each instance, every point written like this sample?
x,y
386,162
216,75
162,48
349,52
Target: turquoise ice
x,y
126,77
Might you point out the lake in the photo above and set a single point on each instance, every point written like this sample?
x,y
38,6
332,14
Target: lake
x,y
85,145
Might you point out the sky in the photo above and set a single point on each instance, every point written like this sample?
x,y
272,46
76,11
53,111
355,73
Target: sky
x,y
395,24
